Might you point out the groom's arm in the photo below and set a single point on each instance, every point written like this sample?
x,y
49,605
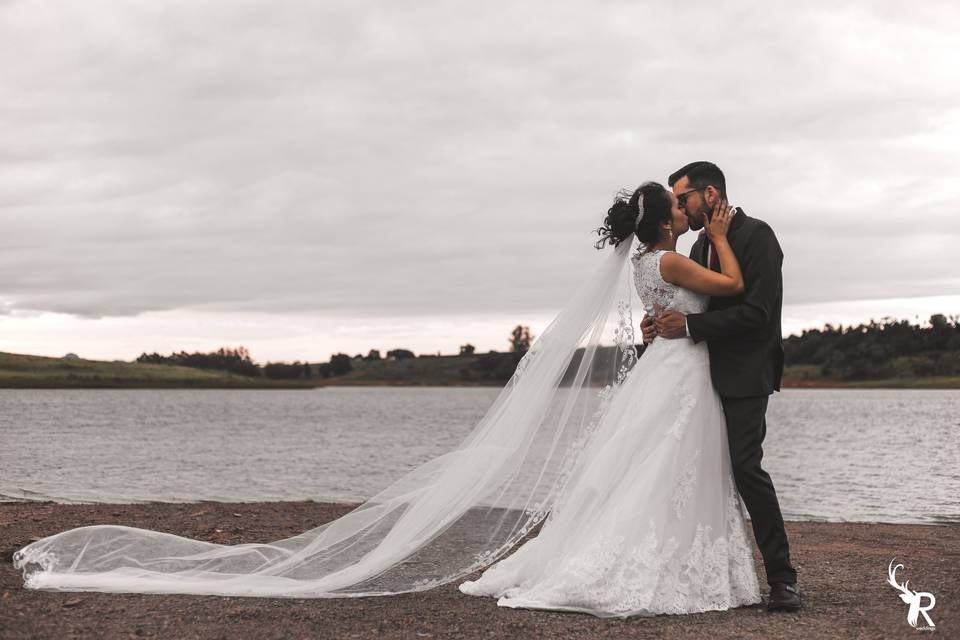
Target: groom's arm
x,y
761,264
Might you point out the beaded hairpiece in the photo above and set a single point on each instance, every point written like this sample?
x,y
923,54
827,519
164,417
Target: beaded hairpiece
x,y
636,225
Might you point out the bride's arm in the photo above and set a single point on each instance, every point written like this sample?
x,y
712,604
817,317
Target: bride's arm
x,y
683,271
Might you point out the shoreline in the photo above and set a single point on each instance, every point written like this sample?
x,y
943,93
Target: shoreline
x,y
931,383
842,569
7,500
917,384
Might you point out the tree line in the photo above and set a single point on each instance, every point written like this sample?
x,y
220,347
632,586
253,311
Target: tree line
x,y
875,350
238,361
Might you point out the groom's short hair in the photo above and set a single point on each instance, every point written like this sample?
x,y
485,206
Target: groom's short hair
x,y
701,174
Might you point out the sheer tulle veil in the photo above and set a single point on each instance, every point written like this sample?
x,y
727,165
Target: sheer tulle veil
x,y
440,521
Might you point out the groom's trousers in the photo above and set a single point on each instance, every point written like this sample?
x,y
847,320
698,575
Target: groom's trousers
x,y
746,428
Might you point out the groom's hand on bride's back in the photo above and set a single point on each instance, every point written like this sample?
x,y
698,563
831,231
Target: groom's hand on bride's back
x,y
670,325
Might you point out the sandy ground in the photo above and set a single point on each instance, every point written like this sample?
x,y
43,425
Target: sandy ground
x,y
842,571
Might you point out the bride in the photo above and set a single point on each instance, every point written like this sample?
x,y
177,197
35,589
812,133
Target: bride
x,y
628,488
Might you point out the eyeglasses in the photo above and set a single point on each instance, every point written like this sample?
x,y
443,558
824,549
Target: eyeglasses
x,y
682,197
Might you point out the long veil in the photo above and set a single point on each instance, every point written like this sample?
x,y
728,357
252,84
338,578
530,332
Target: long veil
x,y
443,520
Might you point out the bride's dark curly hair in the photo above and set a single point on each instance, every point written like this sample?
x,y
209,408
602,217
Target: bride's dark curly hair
x,y
621,218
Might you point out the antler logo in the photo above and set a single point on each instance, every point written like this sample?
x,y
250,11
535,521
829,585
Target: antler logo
x,y
911,597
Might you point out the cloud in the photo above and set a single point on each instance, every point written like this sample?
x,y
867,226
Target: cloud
x,y
379,160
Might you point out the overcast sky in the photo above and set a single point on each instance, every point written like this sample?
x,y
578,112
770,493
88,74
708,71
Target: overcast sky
x,y
304,178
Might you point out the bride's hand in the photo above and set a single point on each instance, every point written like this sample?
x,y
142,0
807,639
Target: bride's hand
x,y
719,222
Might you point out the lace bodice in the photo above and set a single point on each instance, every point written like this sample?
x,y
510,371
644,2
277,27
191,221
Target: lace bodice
x,y
654,290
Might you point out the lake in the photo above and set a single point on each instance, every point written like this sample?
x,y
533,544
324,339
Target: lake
x,y
834,455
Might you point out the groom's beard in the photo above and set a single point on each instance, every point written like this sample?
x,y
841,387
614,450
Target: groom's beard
x,y
697,222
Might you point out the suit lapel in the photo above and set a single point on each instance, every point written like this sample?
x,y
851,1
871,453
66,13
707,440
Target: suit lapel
x,y
737,221
735,225
699,251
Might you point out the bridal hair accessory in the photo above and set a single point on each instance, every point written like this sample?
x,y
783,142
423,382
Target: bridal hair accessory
x,y
636,225
452,515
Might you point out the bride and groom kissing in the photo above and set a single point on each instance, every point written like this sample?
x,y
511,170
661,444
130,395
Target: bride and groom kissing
x,y
743,336
640,502
682,442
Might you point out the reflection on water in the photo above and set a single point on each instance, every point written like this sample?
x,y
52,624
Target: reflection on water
x,y
865,455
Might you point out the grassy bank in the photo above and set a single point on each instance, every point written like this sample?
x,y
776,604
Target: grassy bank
x,y
33,372
810,377
463,371
38,372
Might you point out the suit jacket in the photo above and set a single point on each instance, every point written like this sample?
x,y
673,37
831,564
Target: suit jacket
x,y
743,333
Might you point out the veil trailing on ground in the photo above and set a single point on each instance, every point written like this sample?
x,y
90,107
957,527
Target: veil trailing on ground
x,y
443,520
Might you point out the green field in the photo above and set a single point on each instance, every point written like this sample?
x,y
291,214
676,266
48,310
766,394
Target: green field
x,y
38,372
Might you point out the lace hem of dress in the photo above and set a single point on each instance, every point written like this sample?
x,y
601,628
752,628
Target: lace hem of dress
x,y
624,575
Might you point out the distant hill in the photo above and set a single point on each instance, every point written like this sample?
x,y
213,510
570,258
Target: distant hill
x,y
26,371
886,354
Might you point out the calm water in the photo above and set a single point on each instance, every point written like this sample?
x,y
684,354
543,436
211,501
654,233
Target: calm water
x,y
888,456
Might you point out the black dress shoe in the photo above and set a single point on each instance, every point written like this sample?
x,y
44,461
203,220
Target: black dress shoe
x,y
783,597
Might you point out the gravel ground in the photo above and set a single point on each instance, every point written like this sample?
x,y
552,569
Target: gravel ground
x,y
842,567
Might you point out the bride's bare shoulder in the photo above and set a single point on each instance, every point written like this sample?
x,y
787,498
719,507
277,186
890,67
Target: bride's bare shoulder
x,y
677,268
672,259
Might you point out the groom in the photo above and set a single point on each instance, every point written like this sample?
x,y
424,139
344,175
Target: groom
x,y
744,338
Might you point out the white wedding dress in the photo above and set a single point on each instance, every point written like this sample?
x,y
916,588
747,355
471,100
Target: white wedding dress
x,y
650,520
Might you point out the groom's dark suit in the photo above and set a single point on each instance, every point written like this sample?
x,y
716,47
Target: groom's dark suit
x,y
744,338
